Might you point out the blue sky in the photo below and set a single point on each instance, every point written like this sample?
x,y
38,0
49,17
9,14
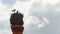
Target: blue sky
x,y
40,16
8,1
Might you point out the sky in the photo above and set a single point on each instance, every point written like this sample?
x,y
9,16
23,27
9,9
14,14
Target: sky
x,y
40,16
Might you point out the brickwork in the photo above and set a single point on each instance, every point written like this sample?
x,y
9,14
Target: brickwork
x,y
17,29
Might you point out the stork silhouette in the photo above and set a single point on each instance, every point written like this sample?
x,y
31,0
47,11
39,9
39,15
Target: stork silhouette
x,y
14,10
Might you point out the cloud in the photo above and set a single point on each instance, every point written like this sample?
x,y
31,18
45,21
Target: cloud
x,y
2,7
4,18
29,20
5,31
33,22
35,12
45,20
25,0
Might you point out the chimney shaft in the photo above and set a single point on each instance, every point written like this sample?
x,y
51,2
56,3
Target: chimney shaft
x,y
17,29
16,21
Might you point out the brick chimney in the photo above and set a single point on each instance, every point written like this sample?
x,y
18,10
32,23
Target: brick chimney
x,y
17,29
16,21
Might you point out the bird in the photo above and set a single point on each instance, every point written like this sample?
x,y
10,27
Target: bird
x,y
13,10
17,12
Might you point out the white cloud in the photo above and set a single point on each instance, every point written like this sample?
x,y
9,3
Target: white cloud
x,y
45,20
2,7
4,17
40,25
34,22
24,7
31,21
0,0
5,31
2,12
